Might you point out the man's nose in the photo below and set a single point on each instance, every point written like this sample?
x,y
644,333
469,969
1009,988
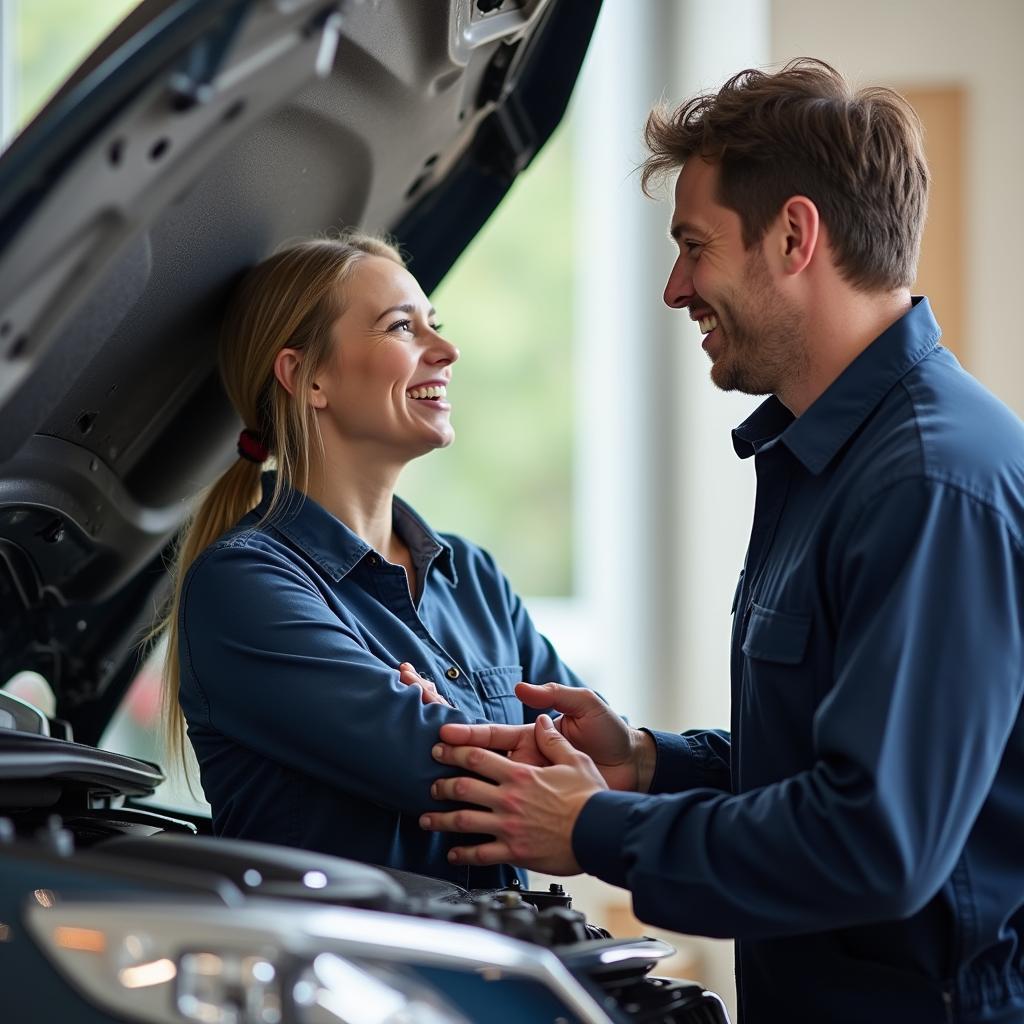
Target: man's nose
x,y
679,287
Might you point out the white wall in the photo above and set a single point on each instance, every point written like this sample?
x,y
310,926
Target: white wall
x,y
948,42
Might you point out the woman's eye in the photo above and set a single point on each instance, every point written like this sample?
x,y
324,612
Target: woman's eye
x,y
401,325
437,327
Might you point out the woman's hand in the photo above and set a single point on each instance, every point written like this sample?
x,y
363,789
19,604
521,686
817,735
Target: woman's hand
x,y
428,691
624,756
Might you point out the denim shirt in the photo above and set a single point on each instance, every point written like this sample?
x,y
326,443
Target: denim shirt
x,y
291,633
861,829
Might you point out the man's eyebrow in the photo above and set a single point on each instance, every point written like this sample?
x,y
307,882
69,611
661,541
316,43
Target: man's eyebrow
x,y
683,227
406,307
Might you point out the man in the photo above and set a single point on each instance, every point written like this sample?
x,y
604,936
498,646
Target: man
x,y
860,831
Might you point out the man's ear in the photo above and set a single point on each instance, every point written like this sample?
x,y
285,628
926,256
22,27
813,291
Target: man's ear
x,y
286,367
798,235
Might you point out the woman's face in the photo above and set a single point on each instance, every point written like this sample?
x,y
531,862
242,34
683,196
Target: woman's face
x,y
385,383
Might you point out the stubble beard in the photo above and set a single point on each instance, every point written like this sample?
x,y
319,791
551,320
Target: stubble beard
x,y
765,348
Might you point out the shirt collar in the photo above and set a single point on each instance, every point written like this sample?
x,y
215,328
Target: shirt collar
x,y
817,436
334,547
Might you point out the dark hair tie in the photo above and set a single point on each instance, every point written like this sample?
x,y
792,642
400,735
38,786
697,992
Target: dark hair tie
x,y
251,448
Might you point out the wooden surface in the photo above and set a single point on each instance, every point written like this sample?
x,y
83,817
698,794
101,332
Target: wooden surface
x,y
942,270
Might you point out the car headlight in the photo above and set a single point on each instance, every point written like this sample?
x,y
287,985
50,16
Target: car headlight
x,y
217,989
333,989
225,988
284,963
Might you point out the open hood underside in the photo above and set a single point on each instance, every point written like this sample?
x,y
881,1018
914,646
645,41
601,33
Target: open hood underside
x,y
198,138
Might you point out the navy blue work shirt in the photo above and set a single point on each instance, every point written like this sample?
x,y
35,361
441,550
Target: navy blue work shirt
x,y
291,633
861,831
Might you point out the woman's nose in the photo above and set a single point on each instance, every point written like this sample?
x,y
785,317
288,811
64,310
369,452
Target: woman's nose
x,y
442,352
679,287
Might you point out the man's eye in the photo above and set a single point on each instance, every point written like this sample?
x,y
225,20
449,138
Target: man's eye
x,y
691,247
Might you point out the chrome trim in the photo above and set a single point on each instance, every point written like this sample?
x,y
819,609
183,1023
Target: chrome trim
x,y
636,952
25,717
594,957
713,997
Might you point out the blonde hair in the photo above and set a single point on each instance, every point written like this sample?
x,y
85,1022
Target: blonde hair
x,y
290,300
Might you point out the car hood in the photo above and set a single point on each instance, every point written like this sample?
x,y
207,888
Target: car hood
x,y
199,136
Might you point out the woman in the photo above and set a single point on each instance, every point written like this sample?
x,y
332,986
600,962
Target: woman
x,y
299,597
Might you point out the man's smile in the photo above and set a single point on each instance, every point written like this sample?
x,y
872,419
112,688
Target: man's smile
x,y
707,320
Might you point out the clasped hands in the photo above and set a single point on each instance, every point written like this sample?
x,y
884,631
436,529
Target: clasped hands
x,y
534,779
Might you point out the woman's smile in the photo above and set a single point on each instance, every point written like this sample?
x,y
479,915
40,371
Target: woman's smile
x,y
431,395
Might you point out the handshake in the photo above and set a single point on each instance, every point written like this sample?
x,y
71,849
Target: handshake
x,y
535,778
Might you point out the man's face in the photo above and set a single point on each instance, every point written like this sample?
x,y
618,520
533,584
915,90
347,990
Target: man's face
x,y
752,334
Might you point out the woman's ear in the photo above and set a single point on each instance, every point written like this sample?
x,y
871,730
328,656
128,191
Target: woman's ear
x,y
286,369
286,364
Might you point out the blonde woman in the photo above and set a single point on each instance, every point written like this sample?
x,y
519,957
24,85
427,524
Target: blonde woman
x,y
308,597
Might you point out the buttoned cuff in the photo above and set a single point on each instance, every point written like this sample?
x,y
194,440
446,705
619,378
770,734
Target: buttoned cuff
x,y
674,755
599,835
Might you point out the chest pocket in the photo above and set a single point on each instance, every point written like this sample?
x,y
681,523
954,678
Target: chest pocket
x,y
779,637
496,688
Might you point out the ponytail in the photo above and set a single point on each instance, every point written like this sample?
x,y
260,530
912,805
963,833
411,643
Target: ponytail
x,y
230,497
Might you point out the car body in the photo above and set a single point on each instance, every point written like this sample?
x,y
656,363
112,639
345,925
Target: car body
x,y
197,138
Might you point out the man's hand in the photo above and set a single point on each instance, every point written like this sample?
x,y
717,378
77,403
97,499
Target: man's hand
x,y
530,810
428,691
624,756
517,742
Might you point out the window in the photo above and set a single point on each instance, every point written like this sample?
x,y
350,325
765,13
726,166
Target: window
x,y
40,45
507,481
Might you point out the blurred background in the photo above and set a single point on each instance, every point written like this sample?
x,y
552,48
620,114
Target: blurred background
x,y
593,455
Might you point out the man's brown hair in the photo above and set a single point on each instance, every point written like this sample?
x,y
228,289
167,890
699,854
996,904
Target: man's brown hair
x,y
858,156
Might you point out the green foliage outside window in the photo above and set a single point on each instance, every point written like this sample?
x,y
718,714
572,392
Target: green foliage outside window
x,y
51,37
506,483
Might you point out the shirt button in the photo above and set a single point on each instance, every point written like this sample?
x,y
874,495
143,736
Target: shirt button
x,y
373,560
452,673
